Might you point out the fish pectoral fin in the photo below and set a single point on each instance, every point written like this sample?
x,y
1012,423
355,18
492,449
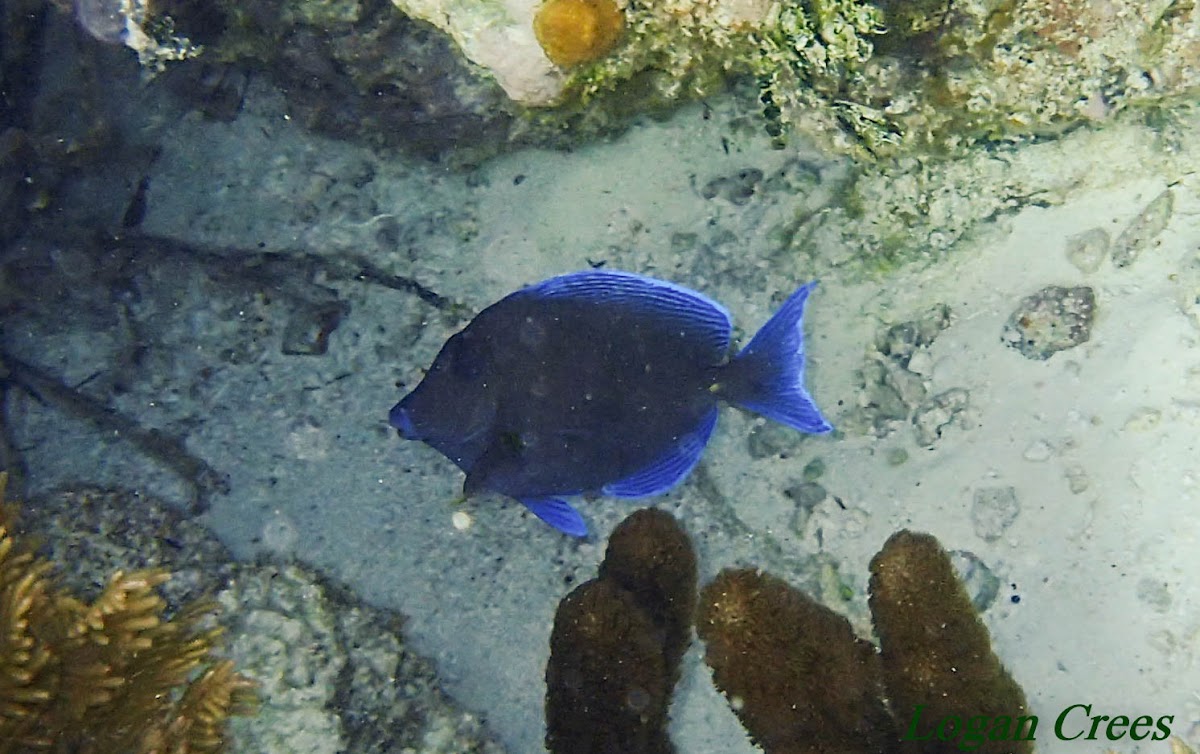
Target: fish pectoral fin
x,y
669,470
558,513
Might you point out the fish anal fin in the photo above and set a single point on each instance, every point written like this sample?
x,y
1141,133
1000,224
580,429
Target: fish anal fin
x,y
669,470
558,513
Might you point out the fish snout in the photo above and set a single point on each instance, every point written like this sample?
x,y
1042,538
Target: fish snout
x,y
401,418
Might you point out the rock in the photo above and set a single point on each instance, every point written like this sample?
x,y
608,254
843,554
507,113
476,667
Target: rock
x,y
1051,320
814,470
771,439
901,340
937,413
894,376
308,329
1038,451
1077,479
908,385
737,189
807,496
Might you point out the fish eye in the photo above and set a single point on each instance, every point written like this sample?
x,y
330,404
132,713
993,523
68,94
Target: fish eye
x,y
512,441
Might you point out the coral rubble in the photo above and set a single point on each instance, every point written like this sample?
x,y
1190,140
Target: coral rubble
x,y
618,640
112,675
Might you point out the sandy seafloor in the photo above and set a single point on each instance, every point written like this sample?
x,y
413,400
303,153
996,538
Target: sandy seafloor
x,y
1098,602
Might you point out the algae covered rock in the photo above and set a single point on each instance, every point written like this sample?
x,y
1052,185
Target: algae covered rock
x,y
1051,320
334,675
112,674
872,78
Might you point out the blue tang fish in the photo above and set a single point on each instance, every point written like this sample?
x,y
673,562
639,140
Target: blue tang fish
x,y
599,381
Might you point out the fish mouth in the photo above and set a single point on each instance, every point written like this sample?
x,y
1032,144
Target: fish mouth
x,y
400,418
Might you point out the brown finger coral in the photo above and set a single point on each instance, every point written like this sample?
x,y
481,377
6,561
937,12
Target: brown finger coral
x,y
938,663
115,675
607,683
795,673
793,670
649,555
577,31
618,640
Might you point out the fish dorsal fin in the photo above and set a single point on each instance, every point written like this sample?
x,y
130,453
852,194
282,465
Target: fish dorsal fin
x,y
767,376
690,312
670,470
558,513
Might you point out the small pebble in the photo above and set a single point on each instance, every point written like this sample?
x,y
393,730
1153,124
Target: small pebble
x,y
1038,451
993,510
902,340
461,520
921,363
807,495
768,439
981,584
1142,420
1154,594
1077,479
813,470
737,189
308,329
1143,229
1088,249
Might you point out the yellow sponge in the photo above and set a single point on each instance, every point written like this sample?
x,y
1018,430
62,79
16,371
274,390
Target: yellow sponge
x,y
577,31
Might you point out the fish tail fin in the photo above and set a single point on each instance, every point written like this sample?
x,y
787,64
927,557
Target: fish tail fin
x,y
767,376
